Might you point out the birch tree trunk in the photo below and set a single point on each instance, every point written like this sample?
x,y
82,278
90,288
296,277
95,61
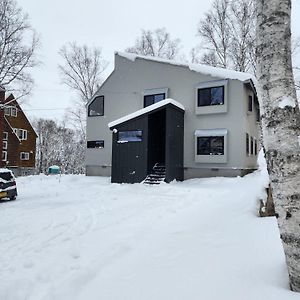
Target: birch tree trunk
x,y
280,124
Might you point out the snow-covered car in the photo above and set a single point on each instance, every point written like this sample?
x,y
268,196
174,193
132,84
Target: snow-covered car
x,y
8,186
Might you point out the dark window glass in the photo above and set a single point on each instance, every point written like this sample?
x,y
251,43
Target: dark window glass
x,y
211,96
96,108
257,114
250,103
255,147
252,146
210,145
151,99
95,144
130,136
247,144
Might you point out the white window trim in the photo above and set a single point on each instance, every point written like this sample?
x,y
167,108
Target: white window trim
x,y
22,134
6,111
155,91
223,132
26,155
5,136
4,145
5,155
15,110
212,109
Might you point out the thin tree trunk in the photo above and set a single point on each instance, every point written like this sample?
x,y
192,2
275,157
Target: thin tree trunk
x,y
280,124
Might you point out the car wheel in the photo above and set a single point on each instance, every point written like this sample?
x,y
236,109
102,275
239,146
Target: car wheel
x,y
14,197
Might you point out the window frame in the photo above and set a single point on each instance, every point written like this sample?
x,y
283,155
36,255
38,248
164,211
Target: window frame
x,y
7,111
5,156
4,143
215,108
210,89
212,158
153,95
26,157
250,103
5,135
100,115
210,139
89,144
119,141
15,110
247,144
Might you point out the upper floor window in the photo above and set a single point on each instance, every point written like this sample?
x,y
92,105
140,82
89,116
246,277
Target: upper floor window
x,y
96,107
21,133
250,103
151,99
211,96
13,111
10,111
4,145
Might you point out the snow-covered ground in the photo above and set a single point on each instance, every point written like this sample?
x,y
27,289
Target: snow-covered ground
x,y
76,237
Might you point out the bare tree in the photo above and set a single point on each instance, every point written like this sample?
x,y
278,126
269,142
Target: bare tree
x,y
58,145
157,43
280,123
82,71
18,45
228,35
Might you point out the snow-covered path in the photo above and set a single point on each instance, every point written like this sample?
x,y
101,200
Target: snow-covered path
x,y
76,237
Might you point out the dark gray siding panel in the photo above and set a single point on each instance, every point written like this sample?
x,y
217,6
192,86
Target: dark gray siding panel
x,y
174,143
129,160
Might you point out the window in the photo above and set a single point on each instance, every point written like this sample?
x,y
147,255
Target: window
x,y
252,146
255,146
7,111
247,144
257,114
151,99
21,133
250,103
5,136
210,145
130,136
95,144
4,145
96,107
4,156
13,111
24,155
211,96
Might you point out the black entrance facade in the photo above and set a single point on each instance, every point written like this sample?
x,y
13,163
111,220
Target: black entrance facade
x,y
150,137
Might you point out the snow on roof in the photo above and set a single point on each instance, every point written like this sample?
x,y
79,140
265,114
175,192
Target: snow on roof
x,y
145,110
199,68
2,89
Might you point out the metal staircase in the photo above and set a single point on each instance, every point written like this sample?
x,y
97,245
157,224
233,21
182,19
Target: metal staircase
x,y
157,175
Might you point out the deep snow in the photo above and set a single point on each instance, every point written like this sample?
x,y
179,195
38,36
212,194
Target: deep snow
x,y
76,237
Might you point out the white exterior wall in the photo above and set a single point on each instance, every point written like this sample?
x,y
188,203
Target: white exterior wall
x,y
124,93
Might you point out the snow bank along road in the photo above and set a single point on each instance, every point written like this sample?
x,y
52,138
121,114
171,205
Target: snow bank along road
x,y
76,237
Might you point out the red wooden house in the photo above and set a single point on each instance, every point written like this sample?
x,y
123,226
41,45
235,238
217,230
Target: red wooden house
x,y
18,138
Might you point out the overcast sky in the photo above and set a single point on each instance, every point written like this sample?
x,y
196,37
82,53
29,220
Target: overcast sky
x,y
111,25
